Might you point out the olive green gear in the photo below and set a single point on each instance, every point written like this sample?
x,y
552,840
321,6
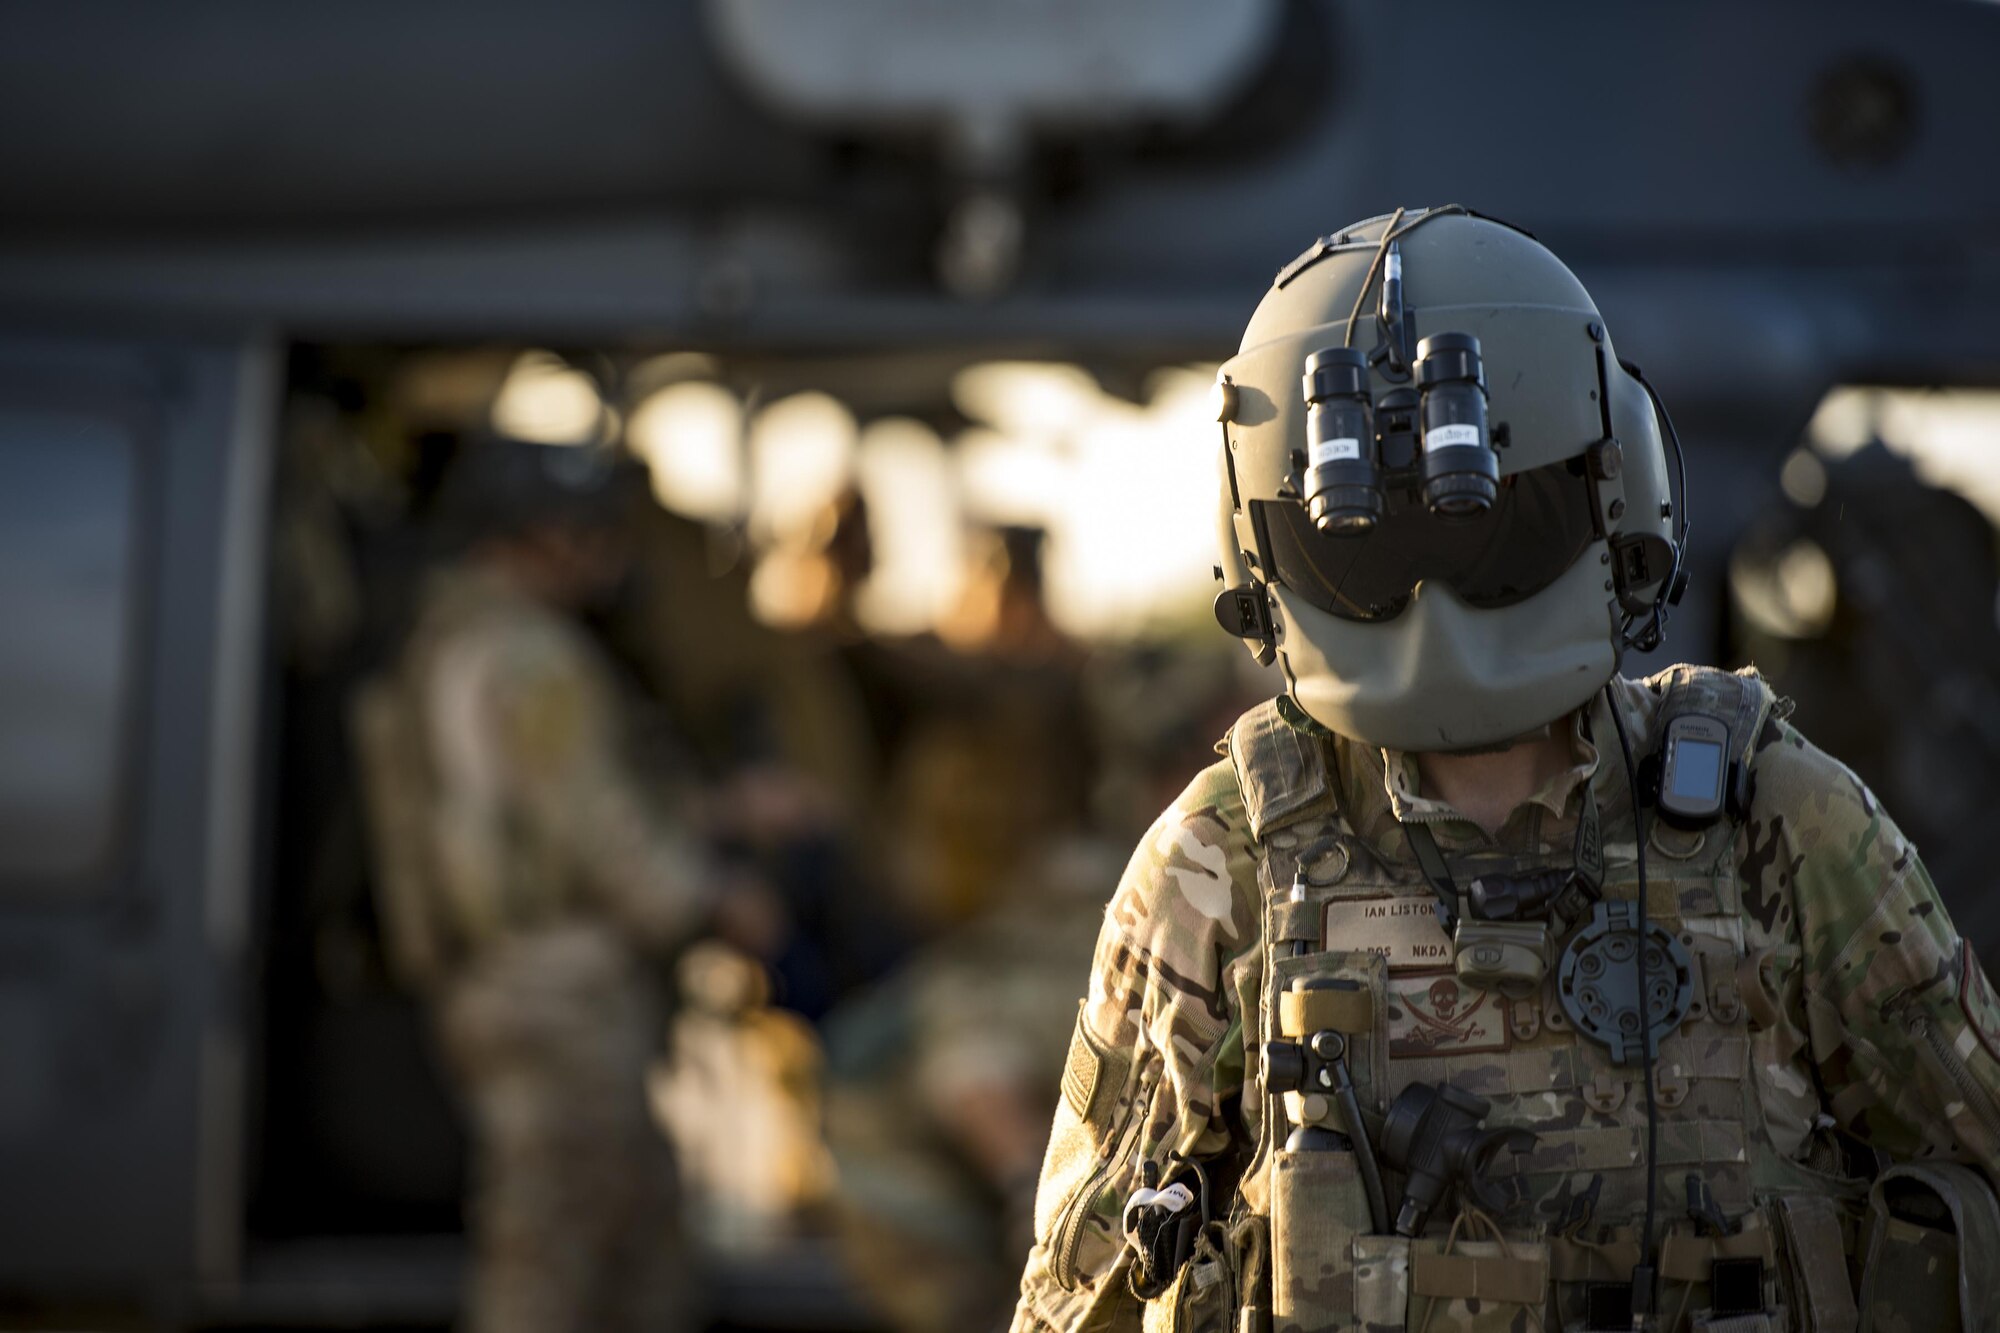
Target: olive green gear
x,y
1443,675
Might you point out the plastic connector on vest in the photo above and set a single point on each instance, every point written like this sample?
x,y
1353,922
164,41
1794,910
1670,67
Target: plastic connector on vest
x,y
1643,1283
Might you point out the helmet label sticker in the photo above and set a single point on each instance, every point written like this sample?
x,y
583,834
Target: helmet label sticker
x,y
1451,437
1335,451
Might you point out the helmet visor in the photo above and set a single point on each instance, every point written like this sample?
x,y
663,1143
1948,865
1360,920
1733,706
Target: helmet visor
x,y
1536,528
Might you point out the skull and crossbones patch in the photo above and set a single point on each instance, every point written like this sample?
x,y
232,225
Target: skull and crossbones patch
x,y
1434,1013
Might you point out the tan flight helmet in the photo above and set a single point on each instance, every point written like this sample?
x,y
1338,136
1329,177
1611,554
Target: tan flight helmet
x,y
1444,503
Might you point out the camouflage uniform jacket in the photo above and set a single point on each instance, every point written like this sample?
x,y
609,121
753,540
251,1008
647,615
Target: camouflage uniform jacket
x,y
1872,1013
498,791
524,869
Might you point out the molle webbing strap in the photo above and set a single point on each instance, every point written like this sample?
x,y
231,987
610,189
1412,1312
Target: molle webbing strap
x,y
1343,1009
1586,886
1589,849
1281,766
1578,1260
1517,1280
1296,922
1590,1148
1686,1258
1436,873
1759,1321
1760,983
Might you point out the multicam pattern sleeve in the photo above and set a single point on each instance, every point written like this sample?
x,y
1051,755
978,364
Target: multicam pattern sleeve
x,y
1157,1062
1903,1026
528,699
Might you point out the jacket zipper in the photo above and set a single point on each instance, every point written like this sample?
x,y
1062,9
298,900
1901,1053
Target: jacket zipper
x,y
1976,1099
1069,1232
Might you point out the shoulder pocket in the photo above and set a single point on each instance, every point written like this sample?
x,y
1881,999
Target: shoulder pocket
x,y
1093,1119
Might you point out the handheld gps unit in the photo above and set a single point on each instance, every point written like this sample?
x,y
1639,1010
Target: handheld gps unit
x,y
1694,771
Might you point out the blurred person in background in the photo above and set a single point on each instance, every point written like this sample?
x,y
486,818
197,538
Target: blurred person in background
x,y
779,722
741,1101
525,875
1873,585
939,1087
997,761
941,1079
814,577
1004,612
735,684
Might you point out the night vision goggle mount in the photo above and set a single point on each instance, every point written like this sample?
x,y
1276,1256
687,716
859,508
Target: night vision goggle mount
x,y
1434,436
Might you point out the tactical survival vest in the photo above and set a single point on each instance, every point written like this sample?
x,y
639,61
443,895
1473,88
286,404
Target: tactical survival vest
x,y
1757,1219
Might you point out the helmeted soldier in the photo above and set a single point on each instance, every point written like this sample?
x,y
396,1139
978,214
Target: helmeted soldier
x,y
1479,986
525,873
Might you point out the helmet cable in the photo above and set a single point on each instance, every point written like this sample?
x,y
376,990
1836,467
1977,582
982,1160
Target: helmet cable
x,y
1648,638
1390,233
1368,278
1642,1275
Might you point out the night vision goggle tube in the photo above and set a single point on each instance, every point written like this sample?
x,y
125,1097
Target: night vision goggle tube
x,y
1343,487
1461,472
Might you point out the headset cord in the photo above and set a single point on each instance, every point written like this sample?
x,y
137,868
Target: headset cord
x,y
1647,639
1394,230
1368,279
1642,1275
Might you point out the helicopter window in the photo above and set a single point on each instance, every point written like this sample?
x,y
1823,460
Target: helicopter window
x,y
67,495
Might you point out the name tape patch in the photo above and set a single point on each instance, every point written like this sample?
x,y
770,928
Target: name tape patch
x,y
1404,931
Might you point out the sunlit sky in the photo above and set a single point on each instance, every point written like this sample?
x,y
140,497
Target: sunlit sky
x,y
1125,491
1952,436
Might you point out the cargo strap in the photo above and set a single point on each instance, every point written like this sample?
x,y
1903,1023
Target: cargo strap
x,y
1817,1244
1436,873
